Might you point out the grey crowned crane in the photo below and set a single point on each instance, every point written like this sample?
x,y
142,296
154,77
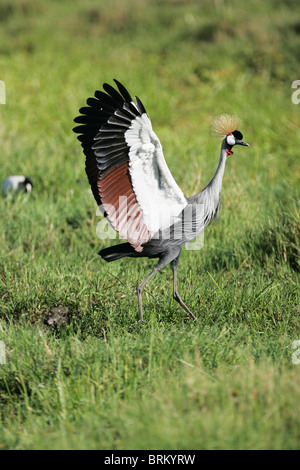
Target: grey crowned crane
x,y
130,179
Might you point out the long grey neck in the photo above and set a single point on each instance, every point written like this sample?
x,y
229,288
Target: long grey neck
x,y
211,194
216,183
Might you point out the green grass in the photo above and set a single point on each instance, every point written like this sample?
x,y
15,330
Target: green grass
x,y
80,371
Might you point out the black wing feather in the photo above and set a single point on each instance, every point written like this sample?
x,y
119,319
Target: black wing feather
x,y
123,91
102,126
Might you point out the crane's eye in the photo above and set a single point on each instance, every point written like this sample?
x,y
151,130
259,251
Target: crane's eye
x,y
230,139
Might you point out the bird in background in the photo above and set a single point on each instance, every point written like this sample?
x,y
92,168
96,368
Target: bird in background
x,y
132,183
16,184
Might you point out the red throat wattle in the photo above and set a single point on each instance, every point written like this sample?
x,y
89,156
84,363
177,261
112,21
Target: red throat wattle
x,y
229,151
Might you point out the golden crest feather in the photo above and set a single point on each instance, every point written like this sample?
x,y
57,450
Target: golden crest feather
x,y
224,124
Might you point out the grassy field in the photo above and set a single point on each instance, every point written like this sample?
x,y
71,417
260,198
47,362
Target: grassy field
x,y
80,371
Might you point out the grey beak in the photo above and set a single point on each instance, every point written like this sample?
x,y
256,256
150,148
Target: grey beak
x,y
241,142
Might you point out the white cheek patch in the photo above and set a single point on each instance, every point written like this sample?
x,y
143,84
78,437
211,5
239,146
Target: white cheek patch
x,y
230,139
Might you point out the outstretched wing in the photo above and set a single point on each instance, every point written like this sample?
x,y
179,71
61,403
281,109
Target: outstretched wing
x,y
126,167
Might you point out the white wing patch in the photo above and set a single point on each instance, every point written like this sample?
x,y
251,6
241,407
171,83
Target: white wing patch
x,y
157,193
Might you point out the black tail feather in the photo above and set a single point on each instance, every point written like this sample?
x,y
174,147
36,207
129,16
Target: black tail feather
x,y
117,251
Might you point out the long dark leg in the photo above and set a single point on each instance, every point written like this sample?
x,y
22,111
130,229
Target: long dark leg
x,y
164,260
176,295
